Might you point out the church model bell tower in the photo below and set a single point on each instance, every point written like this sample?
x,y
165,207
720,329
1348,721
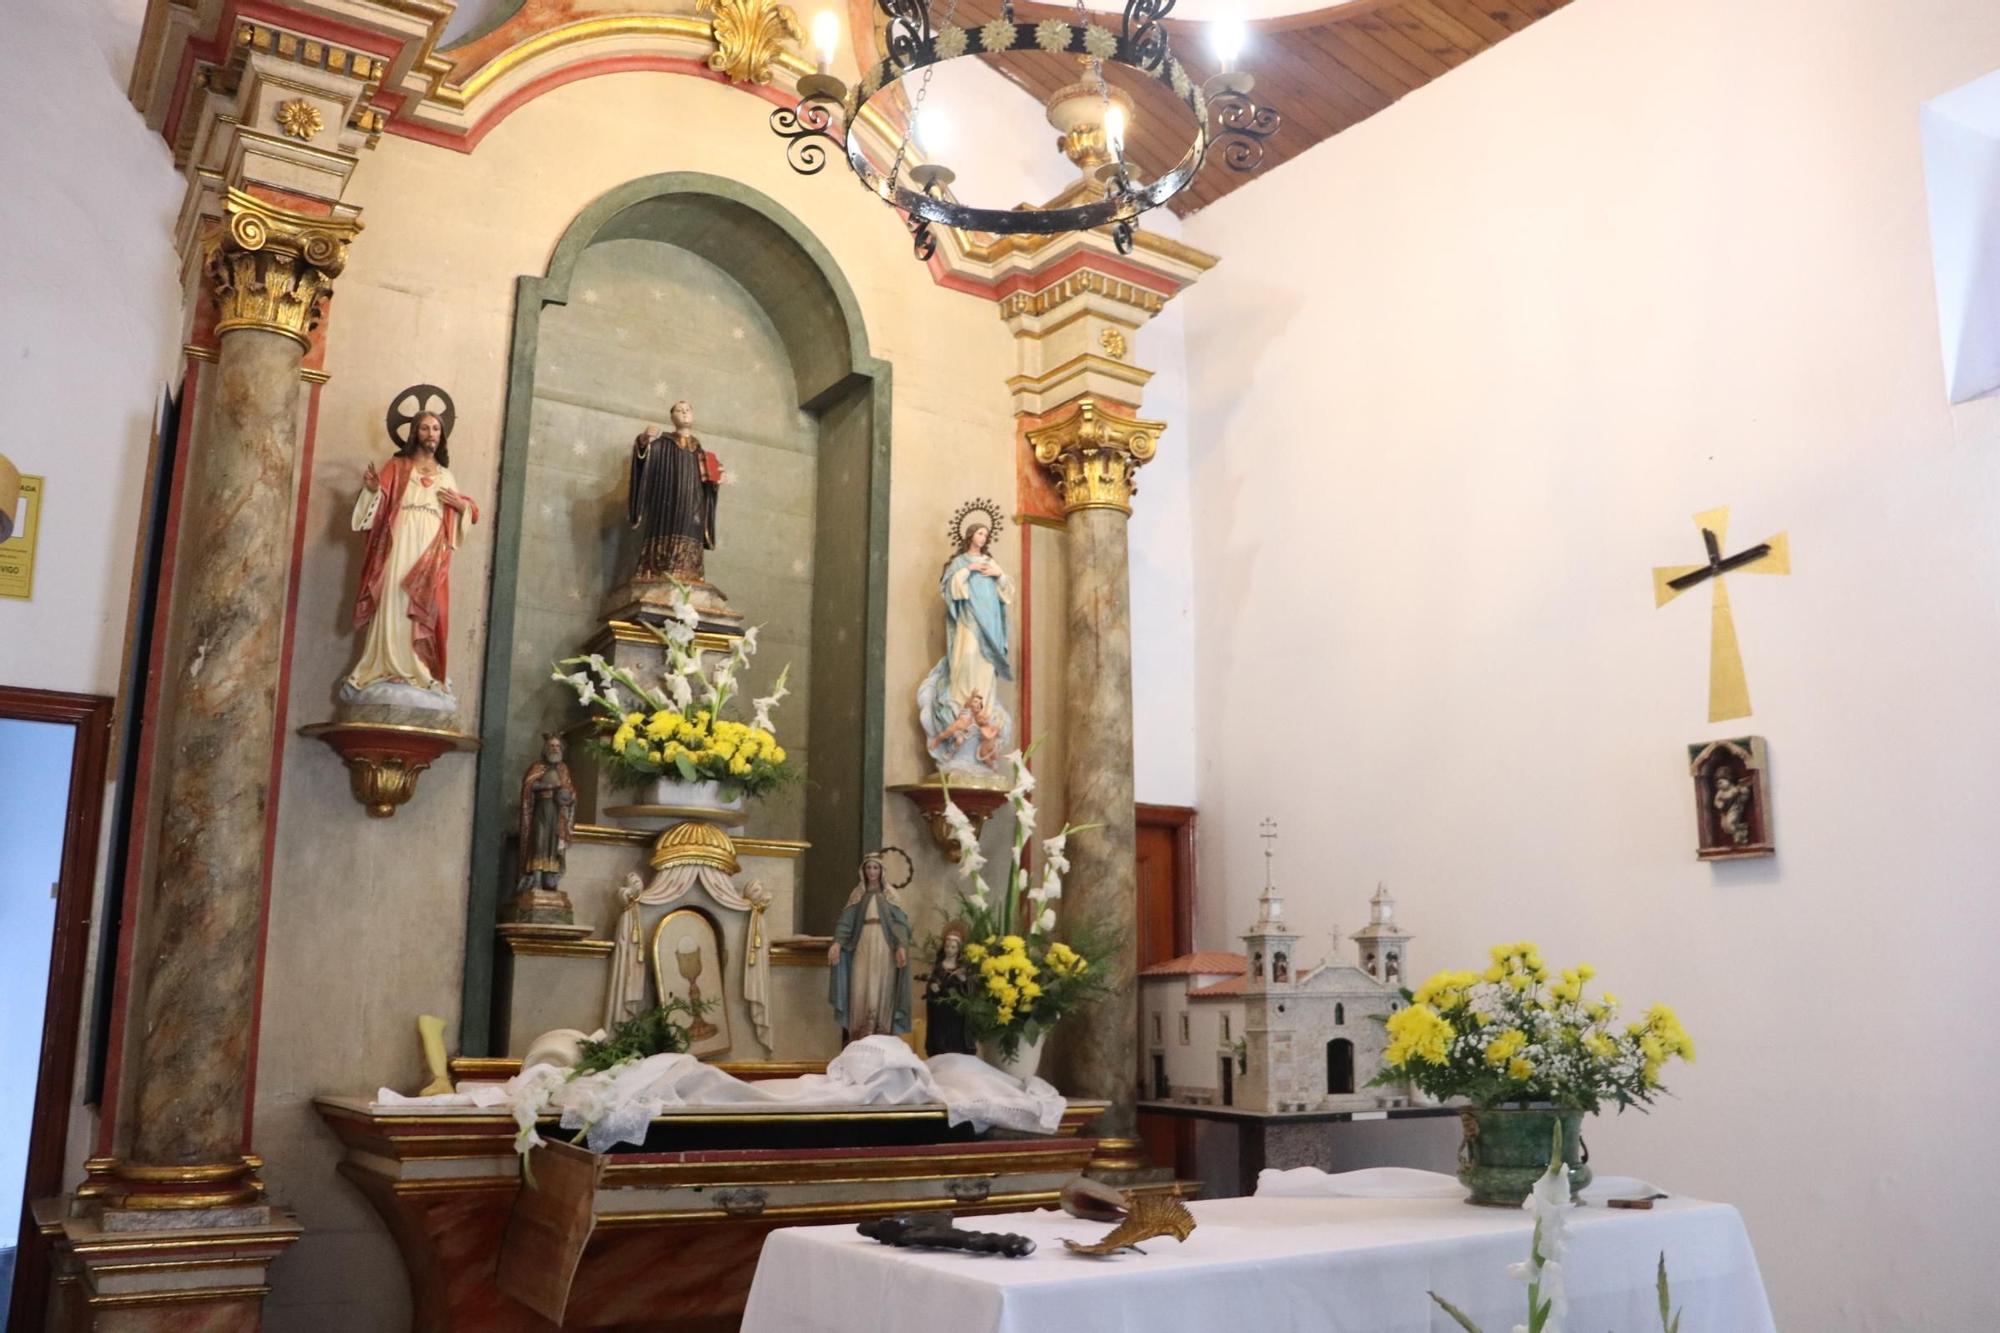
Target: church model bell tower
x,y
1271,944
1383,943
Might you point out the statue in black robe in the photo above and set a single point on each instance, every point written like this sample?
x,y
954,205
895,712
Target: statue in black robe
x,y
944,1026
672,500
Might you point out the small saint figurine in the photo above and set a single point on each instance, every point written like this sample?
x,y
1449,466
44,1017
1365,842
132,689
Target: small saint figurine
x,y
945,1030
965,727
548,818
415,516
870,957
1732,805
672,500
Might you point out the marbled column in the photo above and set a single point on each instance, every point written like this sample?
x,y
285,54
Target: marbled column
x,y
229,613
1101,1045
270,270
1095,452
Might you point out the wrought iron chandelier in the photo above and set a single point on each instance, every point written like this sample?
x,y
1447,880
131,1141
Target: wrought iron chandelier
x,y
826,117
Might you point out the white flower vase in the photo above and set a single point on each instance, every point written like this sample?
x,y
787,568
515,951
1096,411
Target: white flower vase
x,y
1027,1056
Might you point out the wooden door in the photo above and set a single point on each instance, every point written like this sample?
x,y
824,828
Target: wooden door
x,y
1166,930
83,775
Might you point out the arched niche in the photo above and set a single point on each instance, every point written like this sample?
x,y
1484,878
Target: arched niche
x,y
758,255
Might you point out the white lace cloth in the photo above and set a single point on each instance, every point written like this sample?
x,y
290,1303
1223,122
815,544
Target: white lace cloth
x,y
1399,1182
616,1105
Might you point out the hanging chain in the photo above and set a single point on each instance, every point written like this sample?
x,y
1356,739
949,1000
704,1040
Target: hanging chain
x,y
923,91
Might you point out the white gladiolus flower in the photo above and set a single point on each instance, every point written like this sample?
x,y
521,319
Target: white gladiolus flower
x,y
750,640
1046,922
1051,885
1053,854
612,697
586,689
680,692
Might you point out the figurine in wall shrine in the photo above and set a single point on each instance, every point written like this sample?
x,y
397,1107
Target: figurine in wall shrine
x,y
1731,799
870,955
414,516
966,728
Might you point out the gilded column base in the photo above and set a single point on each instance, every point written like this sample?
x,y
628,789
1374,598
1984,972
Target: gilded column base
x,y
135,1196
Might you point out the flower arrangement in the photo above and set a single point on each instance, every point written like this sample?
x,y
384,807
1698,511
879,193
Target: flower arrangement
x,y
1027,978
677,731
1512,1035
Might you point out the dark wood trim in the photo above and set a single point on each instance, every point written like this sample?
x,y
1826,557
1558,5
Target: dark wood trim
x,y
1180,820
62,1012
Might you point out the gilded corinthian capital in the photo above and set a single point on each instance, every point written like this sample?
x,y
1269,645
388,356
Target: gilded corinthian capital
x,y
270,268
1095,454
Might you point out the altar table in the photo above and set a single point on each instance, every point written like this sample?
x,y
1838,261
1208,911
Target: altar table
x,y
1270,1266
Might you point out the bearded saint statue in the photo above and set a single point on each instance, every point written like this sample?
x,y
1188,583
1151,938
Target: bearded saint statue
x,y
415,516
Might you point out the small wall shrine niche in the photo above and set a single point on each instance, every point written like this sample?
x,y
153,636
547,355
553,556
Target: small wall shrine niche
x,y
1731,799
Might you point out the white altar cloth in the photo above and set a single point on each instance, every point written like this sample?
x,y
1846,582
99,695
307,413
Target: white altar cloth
x,y
1270,1265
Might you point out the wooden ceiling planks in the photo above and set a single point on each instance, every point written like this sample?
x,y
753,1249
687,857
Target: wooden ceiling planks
x,y
1322,71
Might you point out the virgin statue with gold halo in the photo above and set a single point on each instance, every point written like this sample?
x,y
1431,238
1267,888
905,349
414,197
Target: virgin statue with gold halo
x,y
966,728
870,955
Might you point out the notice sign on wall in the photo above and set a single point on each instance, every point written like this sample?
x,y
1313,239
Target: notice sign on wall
x,y
17,553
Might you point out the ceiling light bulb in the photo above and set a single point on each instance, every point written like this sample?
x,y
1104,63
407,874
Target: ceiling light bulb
x,y
1114,129
826,36
1227,37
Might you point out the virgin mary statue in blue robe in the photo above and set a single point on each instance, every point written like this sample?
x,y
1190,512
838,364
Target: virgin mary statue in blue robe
x,y
965,726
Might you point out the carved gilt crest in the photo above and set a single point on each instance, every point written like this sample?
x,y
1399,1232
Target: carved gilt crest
x,y
749,37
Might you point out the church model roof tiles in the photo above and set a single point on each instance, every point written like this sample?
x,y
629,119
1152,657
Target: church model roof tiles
x,y
1208,962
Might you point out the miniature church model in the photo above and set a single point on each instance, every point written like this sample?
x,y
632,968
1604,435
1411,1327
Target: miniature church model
x,y
1261,1033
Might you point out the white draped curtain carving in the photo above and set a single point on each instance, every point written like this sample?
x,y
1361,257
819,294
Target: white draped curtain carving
x,y
670,883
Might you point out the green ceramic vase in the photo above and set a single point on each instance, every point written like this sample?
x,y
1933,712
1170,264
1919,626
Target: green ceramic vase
x,y
1506,1150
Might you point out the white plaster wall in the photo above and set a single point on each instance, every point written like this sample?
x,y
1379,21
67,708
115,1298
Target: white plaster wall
x,y
88,343
1467,371
367,917
1162,557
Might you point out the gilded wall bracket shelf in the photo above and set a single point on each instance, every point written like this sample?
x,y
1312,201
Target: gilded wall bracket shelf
x,y
384,761
977,802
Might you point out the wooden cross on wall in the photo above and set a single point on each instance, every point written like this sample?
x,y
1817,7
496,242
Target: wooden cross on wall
x,y
1728,690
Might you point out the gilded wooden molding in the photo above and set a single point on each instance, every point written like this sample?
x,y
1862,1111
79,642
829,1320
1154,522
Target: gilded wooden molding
x,y
1095,455
749,37
271,268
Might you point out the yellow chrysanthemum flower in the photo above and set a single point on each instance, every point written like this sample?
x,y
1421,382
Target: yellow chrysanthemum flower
x,y
1520,1070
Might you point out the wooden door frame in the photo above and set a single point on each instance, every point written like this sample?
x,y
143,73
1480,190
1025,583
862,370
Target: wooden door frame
x,y
1180,821
62,1010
